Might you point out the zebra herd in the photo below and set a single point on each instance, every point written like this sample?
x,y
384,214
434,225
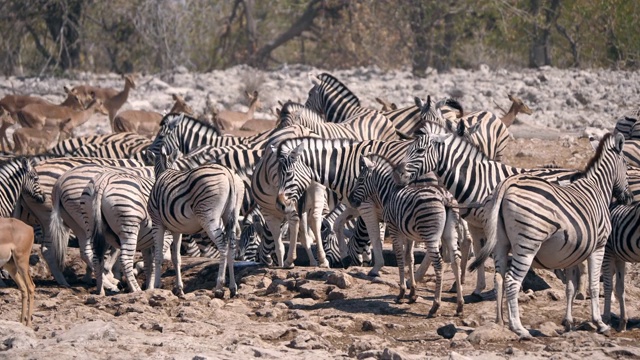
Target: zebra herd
x,y
342,175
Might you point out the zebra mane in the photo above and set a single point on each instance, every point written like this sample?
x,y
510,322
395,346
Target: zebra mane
x,y
452,103
171,116
329,80
594,159
290,107
381,160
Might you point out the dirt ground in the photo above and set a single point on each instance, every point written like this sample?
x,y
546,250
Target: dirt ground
x,y
311,313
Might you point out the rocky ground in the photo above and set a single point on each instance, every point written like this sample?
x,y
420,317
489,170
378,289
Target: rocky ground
x,y
311,313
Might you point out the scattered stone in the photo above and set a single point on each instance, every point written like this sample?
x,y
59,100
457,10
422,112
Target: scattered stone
x,y
276,287
308,342
369,325
340,279
91,300
456,356
448,331
336,295
560,346
553,295
313,290
14,335
491,332
587,326
93,330
623,352
549,329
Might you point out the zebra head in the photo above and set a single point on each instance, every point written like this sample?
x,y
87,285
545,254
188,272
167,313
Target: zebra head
x,y
421,157
168,131
165,160
620,180
290,114
329,97
31,184
293,177
363,187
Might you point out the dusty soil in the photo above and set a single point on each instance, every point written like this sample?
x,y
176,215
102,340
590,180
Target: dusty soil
x,y
309,313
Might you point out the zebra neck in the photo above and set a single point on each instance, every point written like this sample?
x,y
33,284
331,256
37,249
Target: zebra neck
x,y
467,173
12,177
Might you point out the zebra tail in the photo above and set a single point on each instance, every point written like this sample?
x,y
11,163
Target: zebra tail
x,y
59,232
98,232
490,227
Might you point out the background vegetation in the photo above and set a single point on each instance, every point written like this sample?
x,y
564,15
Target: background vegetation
x,y
51,36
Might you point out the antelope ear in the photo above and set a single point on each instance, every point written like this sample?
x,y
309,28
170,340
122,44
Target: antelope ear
x,y
67,89
510,97
619,143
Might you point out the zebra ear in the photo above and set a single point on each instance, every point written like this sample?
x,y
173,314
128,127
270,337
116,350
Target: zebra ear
x,y
419,103
439,138
26,164
366,161
295,153
460,129
619,143
314,79
594,141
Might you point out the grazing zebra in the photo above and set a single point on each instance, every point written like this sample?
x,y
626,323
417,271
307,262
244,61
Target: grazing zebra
x,y
191,133
66,212
80,146
37,213
412,214
625,124
251,236
468,174
207,198
623,246
18,177
130,147
116,206
631,151
554,227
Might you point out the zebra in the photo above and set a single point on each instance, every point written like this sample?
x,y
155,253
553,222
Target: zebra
x,y
337,103
631,151
77,146
66,206
116,206
131,147
621,247
18,177
251,236
191,133
412,214
468,174
552,226
208,197
37,213
626,123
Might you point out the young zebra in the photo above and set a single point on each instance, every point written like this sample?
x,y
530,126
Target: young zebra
x,y
468,174
207,198
554,227
623,246
115,204
412,214
66,206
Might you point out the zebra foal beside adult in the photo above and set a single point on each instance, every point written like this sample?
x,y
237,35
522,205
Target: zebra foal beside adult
x,y
554,227
412,214
207,198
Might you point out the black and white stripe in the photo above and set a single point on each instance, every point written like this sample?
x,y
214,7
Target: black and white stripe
x,y
554,227
412,214
207,198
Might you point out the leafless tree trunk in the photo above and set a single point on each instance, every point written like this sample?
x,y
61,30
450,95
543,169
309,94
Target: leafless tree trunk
x,y
540,51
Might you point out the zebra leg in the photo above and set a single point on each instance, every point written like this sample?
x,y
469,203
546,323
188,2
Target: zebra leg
x,y
86,254
338,229
520,264
621,268
127,252
305,239
98,265
231,244
608,270
581,294
160,246
571,276
176,259
477,234
433,251
272,225
216,235
422,269
294,228
318,201
595,264
463,233
149,266
368,214
409,258
450,241
398,242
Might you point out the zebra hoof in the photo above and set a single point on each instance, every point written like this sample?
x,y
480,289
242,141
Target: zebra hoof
x,y
346,262
288,265
325,264
232,292
433,311
568,325
373,274
219,294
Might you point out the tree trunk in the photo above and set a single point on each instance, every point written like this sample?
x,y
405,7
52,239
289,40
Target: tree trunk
x,y
421,28
62,19
540,51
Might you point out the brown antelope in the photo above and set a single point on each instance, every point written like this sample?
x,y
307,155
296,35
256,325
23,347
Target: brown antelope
x,y
81,117
6,121
386,106
232,120
30,141
144,122
102,94
35,115
16,242
516,106
114,103
13,103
